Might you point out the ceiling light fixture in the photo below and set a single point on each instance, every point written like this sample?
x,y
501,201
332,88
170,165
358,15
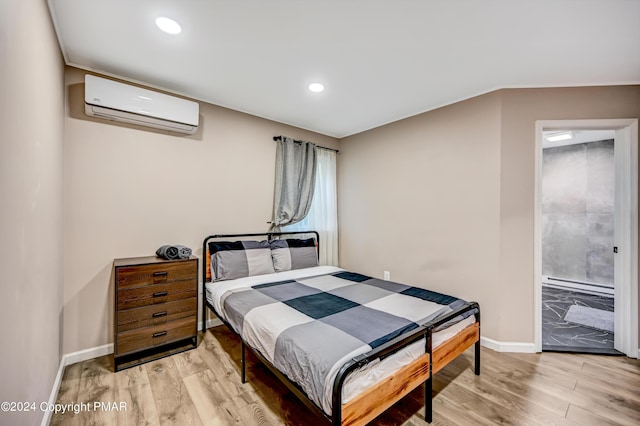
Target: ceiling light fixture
x,y
168,25
316,87
559,137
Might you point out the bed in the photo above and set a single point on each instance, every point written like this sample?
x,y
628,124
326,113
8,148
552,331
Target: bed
x,y
348,345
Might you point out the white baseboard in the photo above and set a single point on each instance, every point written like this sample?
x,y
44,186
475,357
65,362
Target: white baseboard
x,y
86,354
46,419
520,347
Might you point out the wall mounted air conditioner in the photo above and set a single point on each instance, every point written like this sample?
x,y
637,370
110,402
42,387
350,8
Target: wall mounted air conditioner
x,y
130,104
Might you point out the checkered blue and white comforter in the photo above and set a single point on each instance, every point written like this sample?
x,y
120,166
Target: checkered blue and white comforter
x,y
309,327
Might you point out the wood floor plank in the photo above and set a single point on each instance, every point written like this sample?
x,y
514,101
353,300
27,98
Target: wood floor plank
x,y
464,397
598,388
541,388
508,397
467,417
517,388
620,408
203,386
589,376
212,407
551,359
496,414
620,389
618,374
68,394
132,377
97,385
544,410
614,363
133,388
510,367
587,418
173,402
189,362
255,414
609,409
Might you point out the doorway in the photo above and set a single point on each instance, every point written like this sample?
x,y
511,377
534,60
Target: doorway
x,y
578,212
586,296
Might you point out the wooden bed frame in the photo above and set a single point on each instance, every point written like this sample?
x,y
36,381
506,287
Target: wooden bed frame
x,y
375,400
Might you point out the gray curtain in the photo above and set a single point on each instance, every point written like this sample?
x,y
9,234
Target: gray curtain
x,y
295,181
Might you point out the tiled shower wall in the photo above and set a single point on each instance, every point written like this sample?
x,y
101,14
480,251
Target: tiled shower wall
x,y
578,187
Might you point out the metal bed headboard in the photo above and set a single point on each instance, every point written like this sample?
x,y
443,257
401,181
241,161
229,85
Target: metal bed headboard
x,y
269,235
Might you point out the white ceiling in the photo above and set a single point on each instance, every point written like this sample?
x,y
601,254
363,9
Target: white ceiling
x,y
379,60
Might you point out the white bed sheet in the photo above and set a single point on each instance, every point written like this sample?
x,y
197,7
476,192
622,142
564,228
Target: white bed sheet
x,y
364,377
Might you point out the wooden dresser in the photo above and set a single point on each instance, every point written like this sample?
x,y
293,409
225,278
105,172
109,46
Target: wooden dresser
x,y
156,307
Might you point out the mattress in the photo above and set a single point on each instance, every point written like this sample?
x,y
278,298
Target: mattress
x,y
360,379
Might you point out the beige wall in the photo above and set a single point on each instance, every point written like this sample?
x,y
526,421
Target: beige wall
x,y
31,158
420,198
130,190
521,108
445,199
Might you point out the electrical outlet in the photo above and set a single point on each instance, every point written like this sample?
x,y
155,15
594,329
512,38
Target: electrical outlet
x,y
387,275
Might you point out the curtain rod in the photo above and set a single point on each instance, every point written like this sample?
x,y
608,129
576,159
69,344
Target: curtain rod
x,y
279,138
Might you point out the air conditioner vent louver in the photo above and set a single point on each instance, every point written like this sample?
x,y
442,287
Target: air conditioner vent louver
x,y
130,104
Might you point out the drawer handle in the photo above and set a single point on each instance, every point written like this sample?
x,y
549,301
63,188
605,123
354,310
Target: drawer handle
x,y
160,274
160,294
162,333
159,314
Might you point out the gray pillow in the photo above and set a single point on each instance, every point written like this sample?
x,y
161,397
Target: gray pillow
x,y
293,254
238,259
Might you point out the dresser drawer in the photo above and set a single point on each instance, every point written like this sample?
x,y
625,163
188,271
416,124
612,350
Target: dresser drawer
x,y
136,297
149,337
160,313
161,273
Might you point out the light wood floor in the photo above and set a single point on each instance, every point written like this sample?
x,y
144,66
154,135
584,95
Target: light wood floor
x,y
202,387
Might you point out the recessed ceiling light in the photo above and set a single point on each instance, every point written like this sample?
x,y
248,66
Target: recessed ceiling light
x,y
168,25
316,87
559,137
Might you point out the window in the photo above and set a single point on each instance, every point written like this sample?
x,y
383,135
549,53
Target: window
x,y
323,214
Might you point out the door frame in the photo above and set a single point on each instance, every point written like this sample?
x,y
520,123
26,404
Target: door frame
x,y
626,272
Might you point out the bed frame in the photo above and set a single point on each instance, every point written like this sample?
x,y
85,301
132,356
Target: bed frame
x,y
375,400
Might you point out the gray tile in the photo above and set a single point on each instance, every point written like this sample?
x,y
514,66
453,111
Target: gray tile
x,y
556,332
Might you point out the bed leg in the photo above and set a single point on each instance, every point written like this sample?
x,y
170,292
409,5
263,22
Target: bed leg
x,y
428,400
243,364
204,318
477,358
